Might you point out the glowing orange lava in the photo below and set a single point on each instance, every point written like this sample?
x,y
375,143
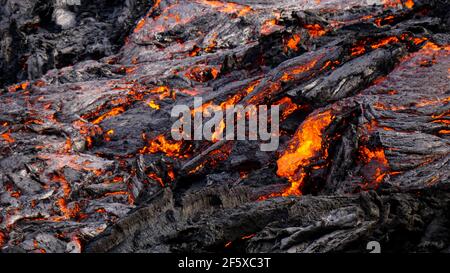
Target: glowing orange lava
x,y
8,138
230,101
269,26
202,74
227,7
315,30
306,144
289,75
2,238
139,25
113,112
161,144
395,3
376,163
287,107
384,42
293,42
153,104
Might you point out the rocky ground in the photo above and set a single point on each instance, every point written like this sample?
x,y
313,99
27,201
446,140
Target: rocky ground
x,y
87,162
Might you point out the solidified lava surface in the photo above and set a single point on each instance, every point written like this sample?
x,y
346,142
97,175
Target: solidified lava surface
x,y
88,164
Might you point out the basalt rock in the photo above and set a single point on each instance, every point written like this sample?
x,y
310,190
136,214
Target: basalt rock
x,y
38,35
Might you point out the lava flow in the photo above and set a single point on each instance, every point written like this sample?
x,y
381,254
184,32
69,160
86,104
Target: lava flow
x,y
361,141
306,145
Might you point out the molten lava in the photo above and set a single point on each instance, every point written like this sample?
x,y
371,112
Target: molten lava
x,y
315,30
306,144
289,75
7,137
377,165
395,3
293,42
202,74
269,26
113,112
161,144
227,7
287,107
230,101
